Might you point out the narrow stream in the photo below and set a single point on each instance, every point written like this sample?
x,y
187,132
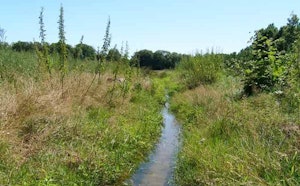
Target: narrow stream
x,y
159,169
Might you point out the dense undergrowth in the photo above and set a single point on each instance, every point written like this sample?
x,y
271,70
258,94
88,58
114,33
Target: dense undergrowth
x,y
240,113
86,134
229,139
98,132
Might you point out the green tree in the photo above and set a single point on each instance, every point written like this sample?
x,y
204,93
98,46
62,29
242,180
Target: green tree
x,y
173,60
265,69
159,59
288,35
86,51
293,29
270,32
114,55
22,46
270,62
143,58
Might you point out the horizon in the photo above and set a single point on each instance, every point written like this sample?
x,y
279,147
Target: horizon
x,y
176,26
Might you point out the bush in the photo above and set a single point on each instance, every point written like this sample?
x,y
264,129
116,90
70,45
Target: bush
x,y
201,69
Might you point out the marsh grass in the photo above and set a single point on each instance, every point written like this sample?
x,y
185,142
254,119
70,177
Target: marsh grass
x,y
235,141
77,139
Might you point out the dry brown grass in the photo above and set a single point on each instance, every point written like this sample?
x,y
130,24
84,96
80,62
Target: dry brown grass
x,y
33,111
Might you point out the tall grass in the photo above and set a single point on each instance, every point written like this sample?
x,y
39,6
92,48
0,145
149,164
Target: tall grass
x,y
77,139
13,63
230,141
200,69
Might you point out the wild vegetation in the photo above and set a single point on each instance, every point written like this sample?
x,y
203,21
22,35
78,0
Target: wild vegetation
x,y
60,127
241,119
78,116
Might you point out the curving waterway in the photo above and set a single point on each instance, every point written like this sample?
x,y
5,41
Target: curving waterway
x,y
159,169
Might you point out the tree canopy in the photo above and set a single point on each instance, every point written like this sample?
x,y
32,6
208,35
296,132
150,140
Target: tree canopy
x,y
157,61
267,64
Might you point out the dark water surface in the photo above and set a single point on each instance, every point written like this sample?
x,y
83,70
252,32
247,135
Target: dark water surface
x,y
159,169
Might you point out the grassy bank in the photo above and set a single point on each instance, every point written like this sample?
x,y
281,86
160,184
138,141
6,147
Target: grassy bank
x,y
96,130
78,135
228,140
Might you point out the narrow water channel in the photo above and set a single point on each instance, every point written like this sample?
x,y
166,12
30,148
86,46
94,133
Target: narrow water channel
x,y
159,169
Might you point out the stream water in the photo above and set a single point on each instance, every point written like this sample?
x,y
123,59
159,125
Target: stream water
x,y
159,169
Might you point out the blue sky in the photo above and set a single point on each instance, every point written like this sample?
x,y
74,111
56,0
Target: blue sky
x,y
183,26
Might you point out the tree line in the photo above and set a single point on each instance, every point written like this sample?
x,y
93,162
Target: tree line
x,y
82,51
157,60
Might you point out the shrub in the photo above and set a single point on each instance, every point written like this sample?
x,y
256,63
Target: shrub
x,y
201,69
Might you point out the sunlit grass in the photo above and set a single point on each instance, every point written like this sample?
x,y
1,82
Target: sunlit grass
x,y
75,137
233,141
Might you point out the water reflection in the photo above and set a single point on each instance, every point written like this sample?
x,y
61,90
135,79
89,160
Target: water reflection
x,y
159,169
